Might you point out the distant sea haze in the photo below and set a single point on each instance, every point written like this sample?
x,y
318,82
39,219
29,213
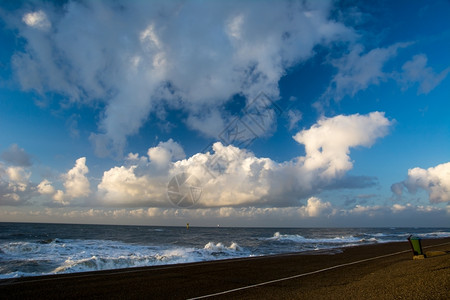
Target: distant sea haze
x,y
38,249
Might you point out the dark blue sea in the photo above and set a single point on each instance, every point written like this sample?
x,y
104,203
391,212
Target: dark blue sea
x,y
38,249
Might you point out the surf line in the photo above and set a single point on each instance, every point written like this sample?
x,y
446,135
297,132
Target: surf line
x,y
306,274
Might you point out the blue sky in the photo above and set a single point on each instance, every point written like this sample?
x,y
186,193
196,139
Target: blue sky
x,y
321,113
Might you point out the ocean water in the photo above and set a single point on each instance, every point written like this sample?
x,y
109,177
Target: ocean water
x,y
39,249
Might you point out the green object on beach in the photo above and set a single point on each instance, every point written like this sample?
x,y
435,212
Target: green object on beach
x,y
415,245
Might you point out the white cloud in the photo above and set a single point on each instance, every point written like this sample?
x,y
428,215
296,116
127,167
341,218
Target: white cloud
x,y
398,207
316,207
165,152
416,71
58,197
328,143
190,55
18,175
144,180
121,186
15,186
435,181
235,177
230,176
46,188
76,184
294,116
359,69
37,19
75,181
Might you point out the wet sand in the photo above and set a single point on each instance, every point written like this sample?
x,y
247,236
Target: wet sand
x,y
355,273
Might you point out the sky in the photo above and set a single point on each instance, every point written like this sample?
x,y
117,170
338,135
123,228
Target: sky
x,y
230,113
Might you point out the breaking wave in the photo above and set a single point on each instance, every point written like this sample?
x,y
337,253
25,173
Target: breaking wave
x,y
69,256
300,239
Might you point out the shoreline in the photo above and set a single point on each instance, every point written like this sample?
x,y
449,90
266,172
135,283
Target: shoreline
x,y
326,275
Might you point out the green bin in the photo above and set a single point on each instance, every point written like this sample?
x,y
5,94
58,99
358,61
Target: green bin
x,y
416,245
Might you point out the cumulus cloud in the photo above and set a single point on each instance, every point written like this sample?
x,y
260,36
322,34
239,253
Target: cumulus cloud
x,y
15,186
143,181
58,197
165,152
328,142
121,186
75,181
235,177
46,188
16,156
359,69
416,71
315,207
195,55
435,181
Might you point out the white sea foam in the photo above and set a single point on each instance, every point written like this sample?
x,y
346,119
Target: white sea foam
x,y
136,256
351,240
71,256
219,247
380,234
436,234
20,248
300,239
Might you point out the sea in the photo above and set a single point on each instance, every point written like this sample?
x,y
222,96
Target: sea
x,y
28,249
